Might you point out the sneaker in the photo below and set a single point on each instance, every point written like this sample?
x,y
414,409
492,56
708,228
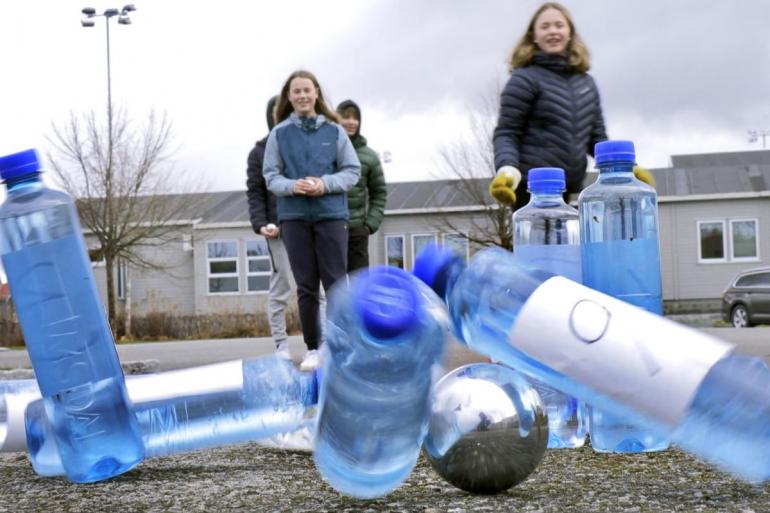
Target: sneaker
x,y
282,351
310,362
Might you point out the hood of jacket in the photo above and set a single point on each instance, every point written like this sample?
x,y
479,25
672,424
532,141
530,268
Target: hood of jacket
x,y
351,104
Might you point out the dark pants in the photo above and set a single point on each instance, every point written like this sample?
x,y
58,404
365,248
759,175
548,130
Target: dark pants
x,y
318,255
358,248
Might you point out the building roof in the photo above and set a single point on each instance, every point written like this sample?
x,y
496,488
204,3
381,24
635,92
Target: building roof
x,y
715,173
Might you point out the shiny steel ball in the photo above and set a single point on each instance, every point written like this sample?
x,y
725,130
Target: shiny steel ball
x,y
488,428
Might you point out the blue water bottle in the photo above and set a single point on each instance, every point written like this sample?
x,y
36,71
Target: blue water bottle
x,y
621,257
67,335
708,400
385,332
546,235
198,408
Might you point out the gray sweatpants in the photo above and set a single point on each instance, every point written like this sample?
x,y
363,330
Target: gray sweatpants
x,y
281,283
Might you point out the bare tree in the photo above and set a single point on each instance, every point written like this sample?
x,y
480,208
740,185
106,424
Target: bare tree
x,y
119,178
470,163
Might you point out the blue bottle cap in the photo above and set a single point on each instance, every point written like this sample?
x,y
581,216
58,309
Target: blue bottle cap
x,y
431,264
614,151
387,301
19,164
542,179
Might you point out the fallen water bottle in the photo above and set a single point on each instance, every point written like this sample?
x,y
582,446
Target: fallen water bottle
x,y
611,354
385,332
68,338
621,257
546,236
198,408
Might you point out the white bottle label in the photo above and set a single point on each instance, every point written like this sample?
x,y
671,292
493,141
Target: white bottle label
x,y
635,357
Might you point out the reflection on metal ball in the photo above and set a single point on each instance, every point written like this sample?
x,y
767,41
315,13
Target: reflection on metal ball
x,y
488,428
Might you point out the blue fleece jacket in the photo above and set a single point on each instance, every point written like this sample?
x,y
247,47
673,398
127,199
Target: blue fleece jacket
x,y
300,147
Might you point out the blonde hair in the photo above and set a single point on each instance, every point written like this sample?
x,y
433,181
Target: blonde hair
x,y
285,109
579,59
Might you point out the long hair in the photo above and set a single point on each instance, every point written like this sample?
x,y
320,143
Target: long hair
x,y
284,107
579,59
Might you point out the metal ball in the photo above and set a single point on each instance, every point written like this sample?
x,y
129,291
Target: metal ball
x,y
488,428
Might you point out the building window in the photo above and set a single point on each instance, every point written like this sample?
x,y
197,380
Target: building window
x,y
419,242
458,243
258,266
394,250
744,239
222,266
711,241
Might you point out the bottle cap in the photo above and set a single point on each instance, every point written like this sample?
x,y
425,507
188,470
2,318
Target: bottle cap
x,y
386,300
19,164
614,151
541,179
431,265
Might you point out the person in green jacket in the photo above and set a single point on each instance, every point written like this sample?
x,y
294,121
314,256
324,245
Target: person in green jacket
x,y
366,200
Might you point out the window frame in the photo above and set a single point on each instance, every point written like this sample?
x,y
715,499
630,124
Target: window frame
x,y
699,249
403,249
235,274
434,236
250,273
754,258
464,238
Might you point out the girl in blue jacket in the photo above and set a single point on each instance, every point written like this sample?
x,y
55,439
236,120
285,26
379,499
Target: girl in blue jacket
x,y
309,165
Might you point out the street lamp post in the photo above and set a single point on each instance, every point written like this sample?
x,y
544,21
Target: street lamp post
x,y
123,19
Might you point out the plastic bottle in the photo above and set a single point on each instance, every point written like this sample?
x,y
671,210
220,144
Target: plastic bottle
x,y
621,257
65,329
15,395
546,235
198,408
385,331
610,354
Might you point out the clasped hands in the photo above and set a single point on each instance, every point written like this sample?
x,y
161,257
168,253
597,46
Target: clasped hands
x,y
309,186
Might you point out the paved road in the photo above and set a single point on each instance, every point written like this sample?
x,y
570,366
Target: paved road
x,y
189,353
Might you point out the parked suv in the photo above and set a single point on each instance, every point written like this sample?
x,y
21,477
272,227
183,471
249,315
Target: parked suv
x,y
746,301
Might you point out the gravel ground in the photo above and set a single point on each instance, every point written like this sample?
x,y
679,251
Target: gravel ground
x,y
251,478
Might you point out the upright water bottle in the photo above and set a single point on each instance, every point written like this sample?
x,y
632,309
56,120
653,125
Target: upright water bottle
x,y
385,331
621,257
15,395
209,406
65,329
546,235
577,340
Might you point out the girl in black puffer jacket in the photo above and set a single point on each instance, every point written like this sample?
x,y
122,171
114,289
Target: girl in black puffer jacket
x,y
550,113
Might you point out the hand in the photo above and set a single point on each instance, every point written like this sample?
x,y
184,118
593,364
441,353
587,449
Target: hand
x,y
269,231
644,175
316,186
503,186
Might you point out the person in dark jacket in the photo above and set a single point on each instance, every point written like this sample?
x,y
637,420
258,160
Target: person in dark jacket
x,y
264,219
366,200
550,111
310,165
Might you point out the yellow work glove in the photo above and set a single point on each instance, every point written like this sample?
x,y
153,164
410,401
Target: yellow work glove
x,y
503,186
644,175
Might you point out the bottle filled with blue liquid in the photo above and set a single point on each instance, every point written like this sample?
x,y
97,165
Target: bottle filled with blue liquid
x,y
696,392
209,406
621,257
546,235
385,332
65,329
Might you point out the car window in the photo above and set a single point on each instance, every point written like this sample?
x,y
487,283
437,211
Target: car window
x,y
754,280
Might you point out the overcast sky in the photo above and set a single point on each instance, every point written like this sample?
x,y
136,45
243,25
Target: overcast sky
x,y
676,77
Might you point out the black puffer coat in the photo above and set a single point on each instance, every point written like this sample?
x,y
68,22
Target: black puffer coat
x,y
550,116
